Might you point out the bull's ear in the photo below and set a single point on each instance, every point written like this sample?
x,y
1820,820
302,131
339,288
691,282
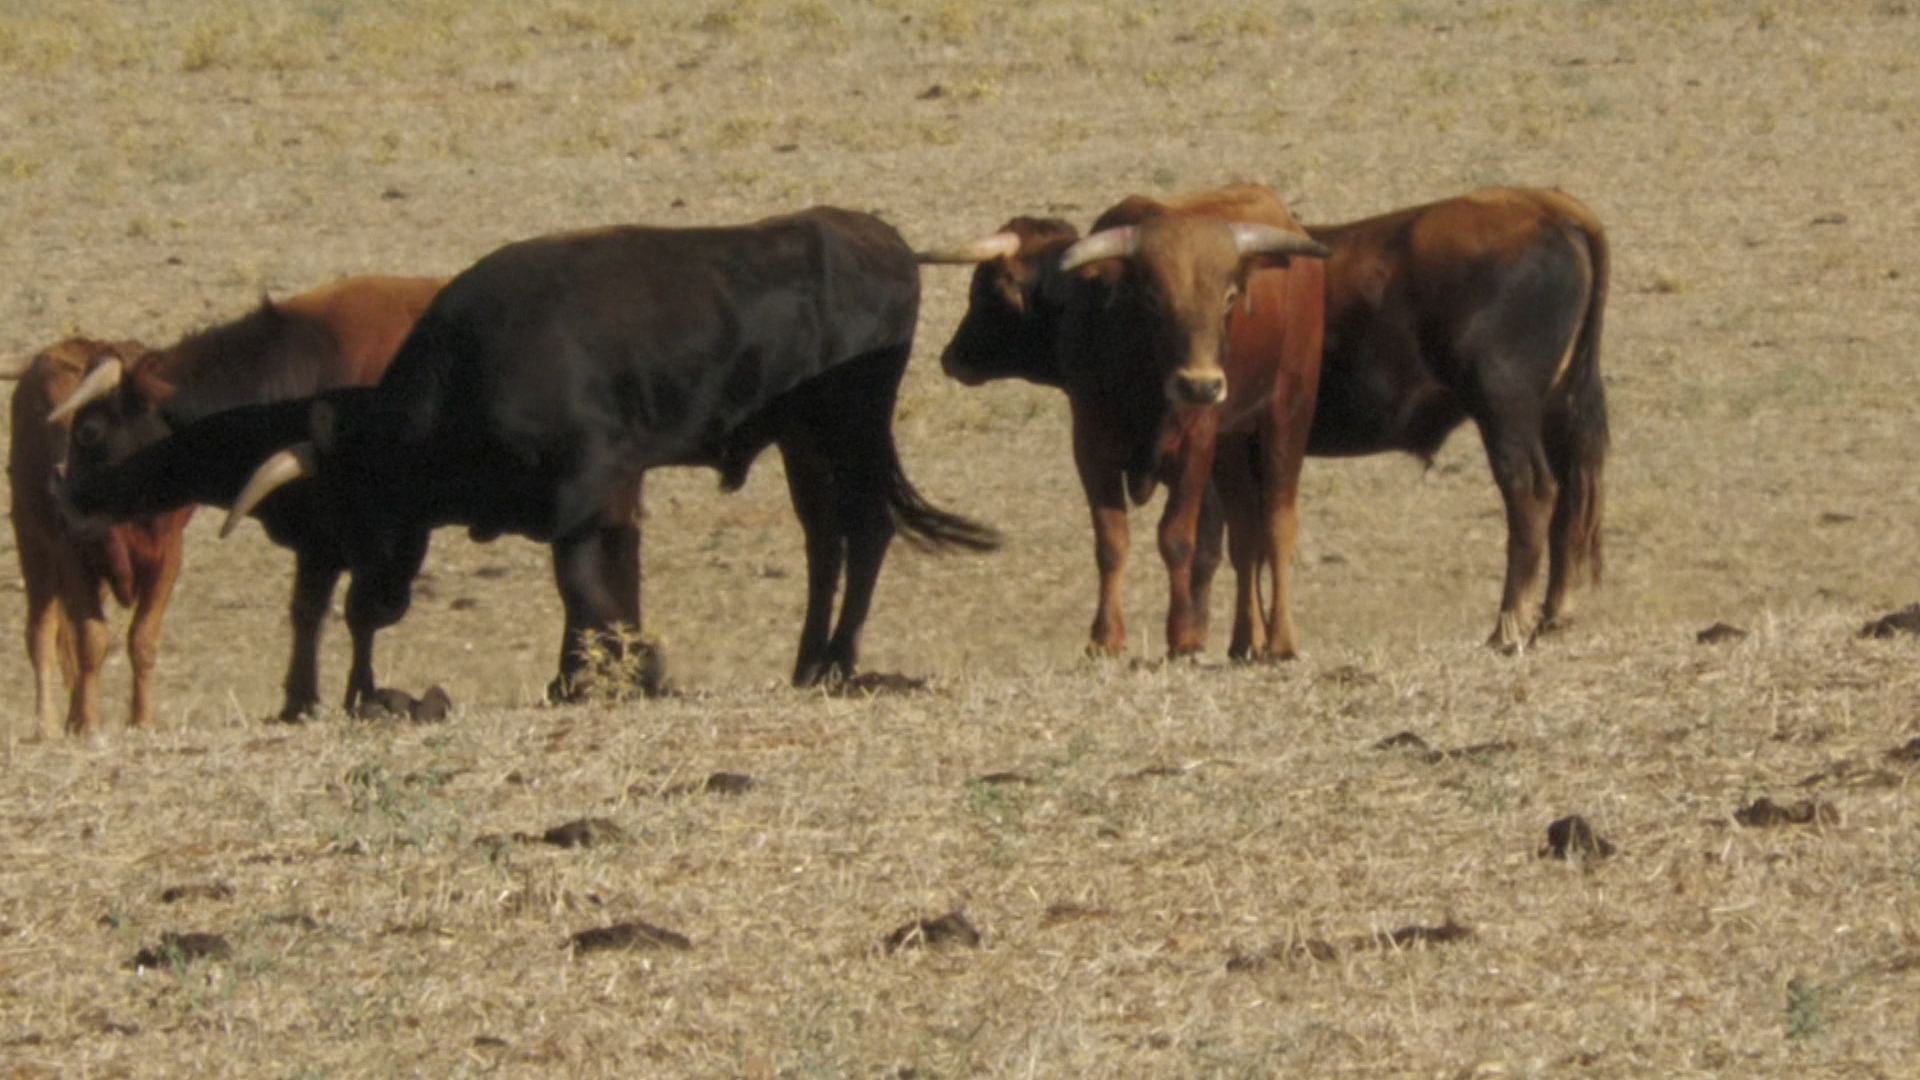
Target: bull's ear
x,y
323,424
149,387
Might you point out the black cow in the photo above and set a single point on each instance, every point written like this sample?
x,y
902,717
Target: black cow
x,y
554,372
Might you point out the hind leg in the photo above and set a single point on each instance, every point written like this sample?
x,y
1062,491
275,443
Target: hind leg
x,y
1577,452
1557,610
812,485
861,484
1527,488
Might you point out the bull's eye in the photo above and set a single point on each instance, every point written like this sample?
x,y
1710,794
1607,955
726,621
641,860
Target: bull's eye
x,y
88,435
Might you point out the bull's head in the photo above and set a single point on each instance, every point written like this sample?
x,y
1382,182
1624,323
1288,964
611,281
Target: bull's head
x,y
115,410
1186,276
297,462
1008,330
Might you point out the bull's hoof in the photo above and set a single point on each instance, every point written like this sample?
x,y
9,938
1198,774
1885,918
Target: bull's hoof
x,y
1508,638
829,675
1098,651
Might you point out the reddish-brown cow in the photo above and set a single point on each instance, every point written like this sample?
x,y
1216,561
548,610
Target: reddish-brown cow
x,y
1485,307
67,579
1189,347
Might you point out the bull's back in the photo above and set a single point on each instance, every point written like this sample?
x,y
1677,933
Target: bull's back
x,y
666,334
368,318
1400,289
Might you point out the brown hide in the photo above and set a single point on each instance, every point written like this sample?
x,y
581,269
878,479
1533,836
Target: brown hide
x,y
351,327
1251,444
67,578
1488,307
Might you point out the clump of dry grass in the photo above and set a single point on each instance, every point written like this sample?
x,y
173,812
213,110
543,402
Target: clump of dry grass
x,y
1121,841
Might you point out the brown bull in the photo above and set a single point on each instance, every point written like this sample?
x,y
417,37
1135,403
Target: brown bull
x,y
1189,349
1485,307
67,578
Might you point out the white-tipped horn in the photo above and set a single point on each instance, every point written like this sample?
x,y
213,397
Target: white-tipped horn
x,y
276,472
1273,240
13,367
1001,245
98,384
1115,243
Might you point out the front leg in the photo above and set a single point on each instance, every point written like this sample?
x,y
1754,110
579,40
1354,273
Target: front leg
x,y
1179,526
1103,477
1239,496
379,597
314,579
153,587
580,571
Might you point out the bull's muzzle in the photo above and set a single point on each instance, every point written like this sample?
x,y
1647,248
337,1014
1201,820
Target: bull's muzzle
x,y
1197,389
954,363
76,523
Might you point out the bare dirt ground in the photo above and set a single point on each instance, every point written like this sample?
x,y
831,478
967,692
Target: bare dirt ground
x,y
1174,871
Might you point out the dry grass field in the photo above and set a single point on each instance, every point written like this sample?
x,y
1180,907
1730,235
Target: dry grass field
x,y
1192,870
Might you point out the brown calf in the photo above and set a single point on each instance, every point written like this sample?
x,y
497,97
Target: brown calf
x,y
67,578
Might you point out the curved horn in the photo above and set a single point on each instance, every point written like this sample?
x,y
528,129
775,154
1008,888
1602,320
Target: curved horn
x,y
277,471
1273,240
13,367
98,384
1115,243
1001,245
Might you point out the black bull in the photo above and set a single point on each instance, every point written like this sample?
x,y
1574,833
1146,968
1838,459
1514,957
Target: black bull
x,y
554,372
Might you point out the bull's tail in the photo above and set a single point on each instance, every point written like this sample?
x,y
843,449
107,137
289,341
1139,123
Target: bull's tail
x,y
927,526
1577,435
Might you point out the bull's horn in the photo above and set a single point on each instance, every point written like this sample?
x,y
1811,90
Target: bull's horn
x,y
1273,240
98,384
13,367
277,471
1001,245
1119,242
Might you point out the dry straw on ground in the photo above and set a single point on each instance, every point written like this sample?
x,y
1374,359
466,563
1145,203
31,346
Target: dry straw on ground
x,y
1173,871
